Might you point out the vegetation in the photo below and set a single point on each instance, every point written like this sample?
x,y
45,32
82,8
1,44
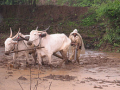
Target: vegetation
x,y
109,14
18,2
104,13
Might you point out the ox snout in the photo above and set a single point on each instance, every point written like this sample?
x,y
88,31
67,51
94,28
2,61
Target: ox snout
x,y
29,43
7,52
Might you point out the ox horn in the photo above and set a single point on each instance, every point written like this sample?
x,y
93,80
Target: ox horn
x,y
37,28
10,33
46,29
16,34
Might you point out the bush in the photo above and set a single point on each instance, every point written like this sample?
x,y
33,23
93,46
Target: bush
x,y
90,20
109,14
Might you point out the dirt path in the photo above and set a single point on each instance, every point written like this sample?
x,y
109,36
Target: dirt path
x,y
97,71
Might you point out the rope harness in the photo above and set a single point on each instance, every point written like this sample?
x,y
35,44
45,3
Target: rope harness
x,y
15,49
16,46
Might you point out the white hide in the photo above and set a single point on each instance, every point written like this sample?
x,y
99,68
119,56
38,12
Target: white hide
x,y
51,43
9,44
17,45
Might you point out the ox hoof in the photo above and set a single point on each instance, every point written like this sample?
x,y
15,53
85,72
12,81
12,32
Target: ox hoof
x,y
16,66
67,61
27,63
50,65
35,63
40,66
75,62
60,65
43,63
40,63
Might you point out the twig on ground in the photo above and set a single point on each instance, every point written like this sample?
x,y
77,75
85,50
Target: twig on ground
x,y
20,85
30,77
35,88
50,85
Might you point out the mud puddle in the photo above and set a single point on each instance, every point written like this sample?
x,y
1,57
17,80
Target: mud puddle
x,y
96,71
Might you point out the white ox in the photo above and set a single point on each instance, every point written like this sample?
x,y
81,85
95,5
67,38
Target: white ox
x,y
14,43
51,43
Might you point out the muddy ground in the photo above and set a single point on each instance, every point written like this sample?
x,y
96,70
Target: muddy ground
x,y
96,71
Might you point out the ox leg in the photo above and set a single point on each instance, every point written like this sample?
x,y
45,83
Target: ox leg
x,y
27,58
15,64
39,58
14,57
72,55
49,58
34,58
42,60
64,55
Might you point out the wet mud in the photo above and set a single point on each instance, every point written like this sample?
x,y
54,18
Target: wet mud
x,y
96,71
60,77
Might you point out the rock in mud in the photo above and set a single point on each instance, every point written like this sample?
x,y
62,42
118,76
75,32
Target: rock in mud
x,y
82,82
22,78
98,87
10,72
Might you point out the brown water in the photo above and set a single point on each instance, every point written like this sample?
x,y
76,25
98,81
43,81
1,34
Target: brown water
x,y
97,71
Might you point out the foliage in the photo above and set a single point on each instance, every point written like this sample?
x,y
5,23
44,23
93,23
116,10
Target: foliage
x,y
18,2
77,3
61,2
80,3
83,3
89,20
109,14
71,23
112,36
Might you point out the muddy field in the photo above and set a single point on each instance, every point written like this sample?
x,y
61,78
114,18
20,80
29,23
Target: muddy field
x,y
96,71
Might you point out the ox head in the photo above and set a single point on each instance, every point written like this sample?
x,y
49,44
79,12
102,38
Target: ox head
x,y
9,43
35,36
